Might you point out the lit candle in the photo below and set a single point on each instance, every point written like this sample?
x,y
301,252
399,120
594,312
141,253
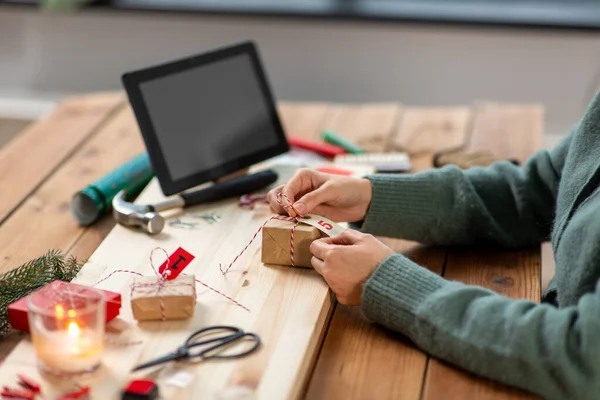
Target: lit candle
x,y
68,337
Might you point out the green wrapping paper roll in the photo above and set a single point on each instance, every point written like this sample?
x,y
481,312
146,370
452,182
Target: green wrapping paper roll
x,y
95,200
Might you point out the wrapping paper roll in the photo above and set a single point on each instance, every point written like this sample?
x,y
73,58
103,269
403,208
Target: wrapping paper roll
x,y
90,203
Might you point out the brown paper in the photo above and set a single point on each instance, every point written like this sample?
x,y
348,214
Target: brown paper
x,y
178,297
276,243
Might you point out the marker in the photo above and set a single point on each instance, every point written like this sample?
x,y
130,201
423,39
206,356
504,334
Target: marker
x,y
334,139
325,149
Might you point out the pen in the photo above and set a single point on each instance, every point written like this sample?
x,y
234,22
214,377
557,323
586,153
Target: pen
x,y
350,147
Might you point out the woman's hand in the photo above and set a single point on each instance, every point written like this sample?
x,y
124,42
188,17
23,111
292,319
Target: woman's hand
x,y
346,262
339,198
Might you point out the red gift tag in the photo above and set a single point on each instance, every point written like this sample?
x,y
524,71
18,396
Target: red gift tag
x,y
177,262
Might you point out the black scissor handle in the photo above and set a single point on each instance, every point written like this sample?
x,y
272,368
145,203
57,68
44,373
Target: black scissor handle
x,y
228,331
230,334
255,339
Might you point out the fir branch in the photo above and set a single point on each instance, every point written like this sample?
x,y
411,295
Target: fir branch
x,y
32,275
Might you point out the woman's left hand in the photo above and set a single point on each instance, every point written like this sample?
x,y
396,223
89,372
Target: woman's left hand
x,y
346,261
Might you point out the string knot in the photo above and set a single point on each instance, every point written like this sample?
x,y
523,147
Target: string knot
x,y
285,202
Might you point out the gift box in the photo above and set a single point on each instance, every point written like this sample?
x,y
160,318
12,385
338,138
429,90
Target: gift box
x,y
276,243
17,311
153,298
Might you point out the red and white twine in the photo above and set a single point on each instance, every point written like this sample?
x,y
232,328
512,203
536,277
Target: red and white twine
x,y
161,282
250,200
287,205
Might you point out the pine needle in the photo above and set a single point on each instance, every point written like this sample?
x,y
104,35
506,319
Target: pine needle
x,y
32,275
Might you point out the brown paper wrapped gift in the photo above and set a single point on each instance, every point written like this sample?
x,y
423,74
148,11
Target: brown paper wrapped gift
x,y
276,243
178,297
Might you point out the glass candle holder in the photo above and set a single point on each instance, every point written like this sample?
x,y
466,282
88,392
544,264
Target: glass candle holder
x,y
67,328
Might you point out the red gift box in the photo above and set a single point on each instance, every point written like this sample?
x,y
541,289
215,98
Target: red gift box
x,y
17,311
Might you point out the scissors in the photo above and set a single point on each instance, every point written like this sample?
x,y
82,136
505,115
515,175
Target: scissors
x,y
219,338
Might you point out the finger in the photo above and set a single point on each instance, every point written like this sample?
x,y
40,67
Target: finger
x,y
276,208
318,265
307,203
326,240
304,181
348,237
319,248
300,182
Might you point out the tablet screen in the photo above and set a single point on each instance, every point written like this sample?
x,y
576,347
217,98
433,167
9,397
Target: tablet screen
x,y
209,115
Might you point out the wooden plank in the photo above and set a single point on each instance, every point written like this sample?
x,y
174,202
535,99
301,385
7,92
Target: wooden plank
x,y
510,131
368,125
548,265
44,220
39,149
11,127
515,274
91,238
360,360
289,309
429,130
303,120
9,342
446,382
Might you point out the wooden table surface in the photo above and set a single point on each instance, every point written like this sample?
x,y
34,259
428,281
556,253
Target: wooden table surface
x,y
85,138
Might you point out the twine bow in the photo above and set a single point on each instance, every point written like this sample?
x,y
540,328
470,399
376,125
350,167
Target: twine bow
x,y
161,282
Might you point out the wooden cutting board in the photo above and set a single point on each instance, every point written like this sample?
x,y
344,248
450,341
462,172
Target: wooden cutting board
x,y
289,308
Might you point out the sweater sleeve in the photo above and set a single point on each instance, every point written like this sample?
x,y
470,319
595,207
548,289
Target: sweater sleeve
x,y
551,352
502,204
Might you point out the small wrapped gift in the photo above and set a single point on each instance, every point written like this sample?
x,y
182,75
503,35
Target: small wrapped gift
x,y
276,243
155,298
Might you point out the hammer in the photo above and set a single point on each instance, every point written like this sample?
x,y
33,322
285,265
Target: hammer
x,y
147,216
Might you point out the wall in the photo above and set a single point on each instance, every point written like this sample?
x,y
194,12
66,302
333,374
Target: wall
x,y
44,55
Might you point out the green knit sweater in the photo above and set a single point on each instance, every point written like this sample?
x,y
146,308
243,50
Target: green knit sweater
x,y
550,348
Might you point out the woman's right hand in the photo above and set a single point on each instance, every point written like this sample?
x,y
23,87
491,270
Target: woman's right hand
x,y
339,198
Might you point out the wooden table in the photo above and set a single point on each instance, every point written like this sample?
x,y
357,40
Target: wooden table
x,y
88,136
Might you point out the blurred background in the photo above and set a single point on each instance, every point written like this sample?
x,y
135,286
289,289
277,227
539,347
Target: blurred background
x,y
450,52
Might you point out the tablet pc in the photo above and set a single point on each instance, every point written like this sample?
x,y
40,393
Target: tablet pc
x,y
205,116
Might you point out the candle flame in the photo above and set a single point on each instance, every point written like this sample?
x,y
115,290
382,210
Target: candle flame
x,y
60,311
73,329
